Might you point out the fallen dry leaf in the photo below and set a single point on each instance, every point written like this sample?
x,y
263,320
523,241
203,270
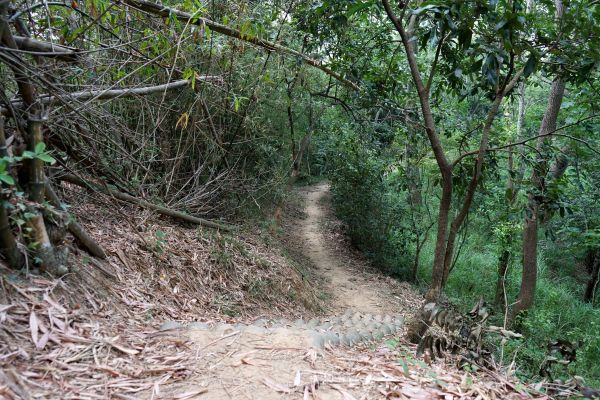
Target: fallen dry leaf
x,y
33,326
276,386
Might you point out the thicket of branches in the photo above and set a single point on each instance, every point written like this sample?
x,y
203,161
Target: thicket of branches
x,y
162,107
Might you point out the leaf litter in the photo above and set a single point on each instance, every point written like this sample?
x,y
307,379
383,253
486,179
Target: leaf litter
x,y
93,333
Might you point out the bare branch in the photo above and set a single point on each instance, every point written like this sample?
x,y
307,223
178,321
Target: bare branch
x,y
41,48
85,95
166,12
524,141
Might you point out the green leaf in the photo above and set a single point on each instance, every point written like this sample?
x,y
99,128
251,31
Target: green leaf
x,y
358,7
433,7
530,65
500,25
46,158
40,147
27,155
7,179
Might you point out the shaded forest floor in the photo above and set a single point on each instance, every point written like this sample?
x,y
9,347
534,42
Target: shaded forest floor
x,y
96,333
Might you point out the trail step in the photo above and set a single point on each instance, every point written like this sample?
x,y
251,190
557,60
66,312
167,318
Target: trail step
x,y
347,330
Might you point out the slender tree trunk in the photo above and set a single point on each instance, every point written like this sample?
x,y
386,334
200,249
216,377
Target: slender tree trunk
x,y
594,280
35,168
8,244
526,295
501,281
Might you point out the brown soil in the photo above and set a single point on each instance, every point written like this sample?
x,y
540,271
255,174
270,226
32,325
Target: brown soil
x,y
281,364
93,334
352,281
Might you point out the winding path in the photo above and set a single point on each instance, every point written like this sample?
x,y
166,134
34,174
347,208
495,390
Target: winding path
x,y
352,281
282,359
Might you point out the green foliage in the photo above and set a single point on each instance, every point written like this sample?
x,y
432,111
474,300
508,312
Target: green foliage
x,y
365,198
39,153
159,244
559,312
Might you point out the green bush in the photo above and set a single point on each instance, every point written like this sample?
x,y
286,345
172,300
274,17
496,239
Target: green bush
x,y
365,198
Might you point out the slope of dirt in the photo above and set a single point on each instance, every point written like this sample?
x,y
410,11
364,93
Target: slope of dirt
x,y
351,279
281,360
94,334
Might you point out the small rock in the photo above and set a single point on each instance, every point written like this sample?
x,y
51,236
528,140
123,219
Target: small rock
x,y
399,323
344,341
357,317
240,327
387,329
378,334
170,325
318,341
332,338
260,322
373,326
255,330
367,318
387,319
360,324
378,318
312,323
348,323
353,337
324,326
365,335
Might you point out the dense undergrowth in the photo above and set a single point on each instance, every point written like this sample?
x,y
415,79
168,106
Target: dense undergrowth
x,y
371,196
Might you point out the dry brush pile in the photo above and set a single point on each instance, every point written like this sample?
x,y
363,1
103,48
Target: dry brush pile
x,y
160,107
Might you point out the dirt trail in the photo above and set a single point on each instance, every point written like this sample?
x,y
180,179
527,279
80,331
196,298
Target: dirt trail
x,y
290,359
350,284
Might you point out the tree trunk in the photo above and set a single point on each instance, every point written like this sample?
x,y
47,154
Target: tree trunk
x,y
44,251
526,295
501,281
8,244
592,284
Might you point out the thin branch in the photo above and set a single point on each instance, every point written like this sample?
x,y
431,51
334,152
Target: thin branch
x,y
41,48
103,188
112,93
551,133
434,65
436,144
166,12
